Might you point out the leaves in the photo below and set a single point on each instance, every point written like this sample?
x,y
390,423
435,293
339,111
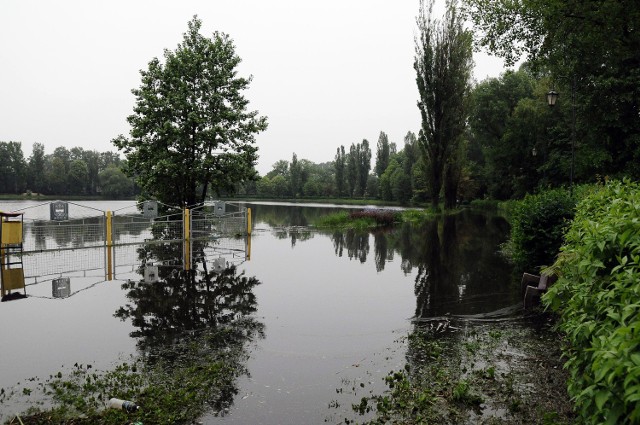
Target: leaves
x,y
190,127
597,300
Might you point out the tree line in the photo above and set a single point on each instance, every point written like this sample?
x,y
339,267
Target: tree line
x,y
75,172
193,135
499,138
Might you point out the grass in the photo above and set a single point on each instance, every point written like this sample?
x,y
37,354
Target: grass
x,y
168,391
372,218
510,367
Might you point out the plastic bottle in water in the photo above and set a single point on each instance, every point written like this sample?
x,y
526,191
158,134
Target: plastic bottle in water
x,y
127,406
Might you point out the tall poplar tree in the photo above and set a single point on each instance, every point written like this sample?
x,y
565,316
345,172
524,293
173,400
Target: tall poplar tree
x,y
36,167
382,154
190,127
352,170
364,166
340,164
295,176
443,65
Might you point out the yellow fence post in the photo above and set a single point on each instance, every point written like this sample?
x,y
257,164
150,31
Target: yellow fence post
x,y
187,238
249,221
109,243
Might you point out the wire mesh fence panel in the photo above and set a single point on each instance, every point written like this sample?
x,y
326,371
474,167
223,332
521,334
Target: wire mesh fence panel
x,y
218,219
43,235
40,265
233,250
63,238
129,229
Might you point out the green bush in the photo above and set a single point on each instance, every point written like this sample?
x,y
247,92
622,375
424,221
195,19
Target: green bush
x,y
597,297
537,227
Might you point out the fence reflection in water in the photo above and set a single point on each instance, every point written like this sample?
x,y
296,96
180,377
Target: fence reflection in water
x,y
101,244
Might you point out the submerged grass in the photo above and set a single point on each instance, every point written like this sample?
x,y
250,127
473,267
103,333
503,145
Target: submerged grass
x,y
512,376
175,391
372,218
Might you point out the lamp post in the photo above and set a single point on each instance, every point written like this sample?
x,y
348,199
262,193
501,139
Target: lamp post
x,y
552,97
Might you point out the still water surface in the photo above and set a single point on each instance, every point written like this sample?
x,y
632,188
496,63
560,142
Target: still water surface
x,y
330,311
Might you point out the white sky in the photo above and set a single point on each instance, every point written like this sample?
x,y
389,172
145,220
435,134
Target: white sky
x,y
325,73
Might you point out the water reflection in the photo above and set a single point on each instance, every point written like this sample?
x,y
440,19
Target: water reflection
x,y
183,302
454,258
189,319
356,243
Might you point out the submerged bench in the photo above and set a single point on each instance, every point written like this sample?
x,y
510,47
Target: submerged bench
x,y
533,286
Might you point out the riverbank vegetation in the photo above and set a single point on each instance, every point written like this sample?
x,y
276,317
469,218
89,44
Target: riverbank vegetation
x,y
596,298
502,141
499,373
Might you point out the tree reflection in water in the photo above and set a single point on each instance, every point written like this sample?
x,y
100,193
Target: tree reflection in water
x,y
191,320
454,257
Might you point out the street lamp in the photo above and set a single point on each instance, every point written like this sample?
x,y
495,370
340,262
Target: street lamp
x,y
552,97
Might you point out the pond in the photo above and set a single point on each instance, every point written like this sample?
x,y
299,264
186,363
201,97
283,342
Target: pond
x,y
320,316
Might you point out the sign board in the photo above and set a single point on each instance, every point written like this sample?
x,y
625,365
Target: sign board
x,y
59,211
219,265
151,274
150,209
219,208
61,287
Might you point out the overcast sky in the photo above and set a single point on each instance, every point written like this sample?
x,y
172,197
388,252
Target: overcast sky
x,y
325,73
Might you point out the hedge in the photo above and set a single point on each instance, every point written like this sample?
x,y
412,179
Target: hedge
x,y
597,298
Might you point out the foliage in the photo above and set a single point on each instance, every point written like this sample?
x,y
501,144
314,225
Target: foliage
x,y
340,170
592,51
64,172
362,219
192,329
382,154
114,183
444,383
538,223
493,117
12,168
167,392
191,127
296,176
443,64
596,297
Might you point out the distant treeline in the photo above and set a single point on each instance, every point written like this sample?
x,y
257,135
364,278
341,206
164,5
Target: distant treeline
x,y
75,172
514,144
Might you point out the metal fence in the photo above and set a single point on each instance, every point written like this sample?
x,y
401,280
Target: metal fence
x,y
132,225
62,238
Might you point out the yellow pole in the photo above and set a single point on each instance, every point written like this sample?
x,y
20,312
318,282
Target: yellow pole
x,y
109,242
1,259
249,221
187,239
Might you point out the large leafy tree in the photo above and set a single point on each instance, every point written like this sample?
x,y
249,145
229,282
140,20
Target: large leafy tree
x,y
443,65
191,128
494,102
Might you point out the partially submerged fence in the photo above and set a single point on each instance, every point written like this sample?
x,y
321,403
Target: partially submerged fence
x,y
63,237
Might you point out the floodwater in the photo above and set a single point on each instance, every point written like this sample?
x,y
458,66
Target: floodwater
x,y
329,310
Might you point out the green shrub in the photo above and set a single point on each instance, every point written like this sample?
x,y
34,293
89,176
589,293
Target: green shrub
x,y
360,219
537,227
597,297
